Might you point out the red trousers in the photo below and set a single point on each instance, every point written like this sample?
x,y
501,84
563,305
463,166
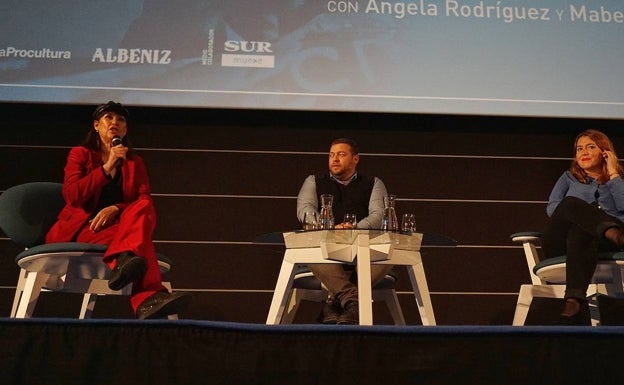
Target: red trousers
x,y
133,233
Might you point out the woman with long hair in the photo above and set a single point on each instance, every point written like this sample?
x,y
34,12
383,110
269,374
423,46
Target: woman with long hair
x,y
586,209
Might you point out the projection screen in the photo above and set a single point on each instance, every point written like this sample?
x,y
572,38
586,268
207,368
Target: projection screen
x,y
560,58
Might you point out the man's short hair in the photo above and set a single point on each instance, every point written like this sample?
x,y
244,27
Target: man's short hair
x,y
350,142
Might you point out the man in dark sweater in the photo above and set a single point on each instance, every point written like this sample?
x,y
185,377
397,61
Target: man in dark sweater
x,y
353,193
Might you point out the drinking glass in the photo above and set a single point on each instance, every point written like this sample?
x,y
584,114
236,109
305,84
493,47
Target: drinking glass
x,y
327,200
310,220
350,218
408,223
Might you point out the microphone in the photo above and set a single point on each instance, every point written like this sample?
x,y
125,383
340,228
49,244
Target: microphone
x,y
116,142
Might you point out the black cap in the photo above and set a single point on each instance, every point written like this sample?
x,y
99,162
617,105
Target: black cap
x,y
110,106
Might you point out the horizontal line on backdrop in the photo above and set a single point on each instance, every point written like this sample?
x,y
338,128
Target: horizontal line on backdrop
x,y
488,247
464,293
398,199
230,196
226,290
307,153
271,291
205,242
361,153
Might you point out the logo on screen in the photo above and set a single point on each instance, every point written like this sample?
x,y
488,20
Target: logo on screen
x,y
242,53
248,46
132,56
206,57
44,53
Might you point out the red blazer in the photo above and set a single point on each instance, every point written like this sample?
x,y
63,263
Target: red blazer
x,y
82,186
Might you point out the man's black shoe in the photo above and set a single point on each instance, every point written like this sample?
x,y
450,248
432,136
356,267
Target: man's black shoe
x,y
350,314
330,313
129,268
162,304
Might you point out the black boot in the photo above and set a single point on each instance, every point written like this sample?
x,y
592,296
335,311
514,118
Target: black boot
x,y
162,304
579,318
129,268
330,313
615,235
350,314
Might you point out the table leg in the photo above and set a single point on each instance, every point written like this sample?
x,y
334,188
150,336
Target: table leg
x,y
364,280
421,293
280,296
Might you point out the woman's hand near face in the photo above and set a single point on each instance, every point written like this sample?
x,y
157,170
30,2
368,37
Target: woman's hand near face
x,y
612,163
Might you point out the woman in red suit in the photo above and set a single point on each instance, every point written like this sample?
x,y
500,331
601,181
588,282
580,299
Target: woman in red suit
x,y
108,201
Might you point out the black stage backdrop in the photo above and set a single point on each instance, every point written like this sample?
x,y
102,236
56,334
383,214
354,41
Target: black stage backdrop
x,y
475,179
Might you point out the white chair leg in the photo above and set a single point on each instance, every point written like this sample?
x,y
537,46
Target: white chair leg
x,y
293,305
298,295
19,290
522,306
592,300
526,295
88,304
32,288
528,292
